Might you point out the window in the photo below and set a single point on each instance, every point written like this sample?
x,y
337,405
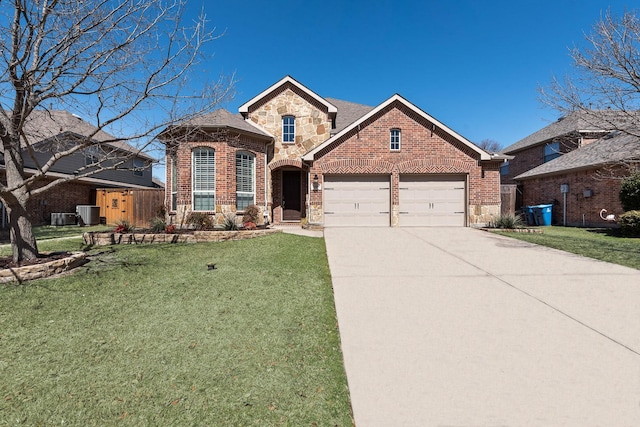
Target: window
x,y
174,184
245,180
91,156
394,138
204,179
138,167
551,151
289,129
504,168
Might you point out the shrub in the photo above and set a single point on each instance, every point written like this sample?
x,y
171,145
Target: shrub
x,y
200,221
630,192
630,223
251,214
170,229
158,224
123,227
250,226
506,221
230,223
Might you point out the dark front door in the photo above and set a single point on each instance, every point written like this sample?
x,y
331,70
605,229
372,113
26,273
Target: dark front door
x,y
291,205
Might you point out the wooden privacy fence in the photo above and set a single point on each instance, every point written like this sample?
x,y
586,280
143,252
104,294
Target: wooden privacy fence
x,y
508,199
136,206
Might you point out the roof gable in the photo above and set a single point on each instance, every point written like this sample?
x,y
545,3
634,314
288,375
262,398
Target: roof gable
x,y
244,108
615,147
310,156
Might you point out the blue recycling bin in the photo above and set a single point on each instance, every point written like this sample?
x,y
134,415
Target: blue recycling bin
x,y
545,214
528,213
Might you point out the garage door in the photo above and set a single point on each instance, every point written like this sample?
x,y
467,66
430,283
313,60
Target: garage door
x,y
432,200
356,200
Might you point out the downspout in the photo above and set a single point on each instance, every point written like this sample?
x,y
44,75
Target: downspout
x,y
266,172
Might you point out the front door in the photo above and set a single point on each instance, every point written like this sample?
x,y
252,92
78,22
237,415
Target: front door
x,y
291,205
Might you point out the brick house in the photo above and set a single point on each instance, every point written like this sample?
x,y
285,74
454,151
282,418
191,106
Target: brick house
x,y
299,156
50,131
580,154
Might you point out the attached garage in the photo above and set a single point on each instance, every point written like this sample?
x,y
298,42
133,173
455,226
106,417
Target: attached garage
x,y
432,200
356,200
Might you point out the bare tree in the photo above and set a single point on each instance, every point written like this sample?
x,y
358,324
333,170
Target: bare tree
x,y
490,145
125,65
605,87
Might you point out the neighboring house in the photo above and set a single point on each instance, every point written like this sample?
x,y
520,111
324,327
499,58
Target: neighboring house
x,y
576,164
299,156
52,131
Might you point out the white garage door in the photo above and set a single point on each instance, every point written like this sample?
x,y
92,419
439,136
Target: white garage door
x,y
356,200
432,200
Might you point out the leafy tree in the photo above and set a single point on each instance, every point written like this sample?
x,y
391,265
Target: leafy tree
x,y
630,193
122,64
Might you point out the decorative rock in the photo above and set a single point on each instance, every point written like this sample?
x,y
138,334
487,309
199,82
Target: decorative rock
x,y
47,269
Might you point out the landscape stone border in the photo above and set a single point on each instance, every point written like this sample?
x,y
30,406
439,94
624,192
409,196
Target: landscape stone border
x,y
46,269
111,238
515,230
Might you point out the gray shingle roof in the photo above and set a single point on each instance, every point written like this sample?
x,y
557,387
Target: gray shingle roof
x,y
587,120
348,112
613,148
225,119
46,124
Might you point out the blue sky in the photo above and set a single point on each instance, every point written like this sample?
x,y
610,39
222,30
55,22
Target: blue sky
x,y
474,65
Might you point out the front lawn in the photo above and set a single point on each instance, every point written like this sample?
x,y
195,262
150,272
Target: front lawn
x,y
149,335
602,244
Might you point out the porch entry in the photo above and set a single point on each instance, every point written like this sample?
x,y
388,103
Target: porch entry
x,y
291,195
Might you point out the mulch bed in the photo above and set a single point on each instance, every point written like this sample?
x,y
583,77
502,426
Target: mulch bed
x,y
7,261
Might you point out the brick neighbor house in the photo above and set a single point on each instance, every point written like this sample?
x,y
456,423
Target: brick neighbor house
x,y
576,164
302,157
50,131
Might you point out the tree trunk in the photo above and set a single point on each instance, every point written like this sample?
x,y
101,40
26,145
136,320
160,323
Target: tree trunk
x,y
23,242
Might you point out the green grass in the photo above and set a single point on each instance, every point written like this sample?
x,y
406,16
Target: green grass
x,y
147,335
602,244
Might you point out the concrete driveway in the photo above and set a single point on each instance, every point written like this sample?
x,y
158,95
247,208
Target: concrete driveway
x,y
460,327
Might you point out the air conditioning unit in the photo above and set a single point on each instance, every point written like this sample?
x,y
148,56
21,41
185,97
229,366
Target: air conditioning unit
x,y
63,219
88,215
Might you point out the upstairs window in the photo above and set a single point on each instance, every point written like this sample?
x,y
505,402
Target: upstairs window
x,y
91,156
245,180
289,129
204,179
138,167
394,139
504,168
551,151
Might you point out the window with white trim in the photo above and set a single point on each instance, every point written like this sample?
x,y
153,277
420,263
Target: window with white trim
x,y
245,180
174,184
394,139
204,179
288,129
551,151
138,167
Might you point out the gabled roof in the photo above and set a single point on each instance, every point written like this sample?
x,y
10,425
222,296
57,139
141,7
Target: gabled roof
x,y
397,98
224,119
615,147
244,108
583,121
42,125
348,112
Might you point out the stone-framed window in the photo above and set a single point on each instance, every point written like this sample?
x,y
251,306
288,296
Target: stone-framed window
x,y
204,179
245,180
288,129
394,139
551,151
